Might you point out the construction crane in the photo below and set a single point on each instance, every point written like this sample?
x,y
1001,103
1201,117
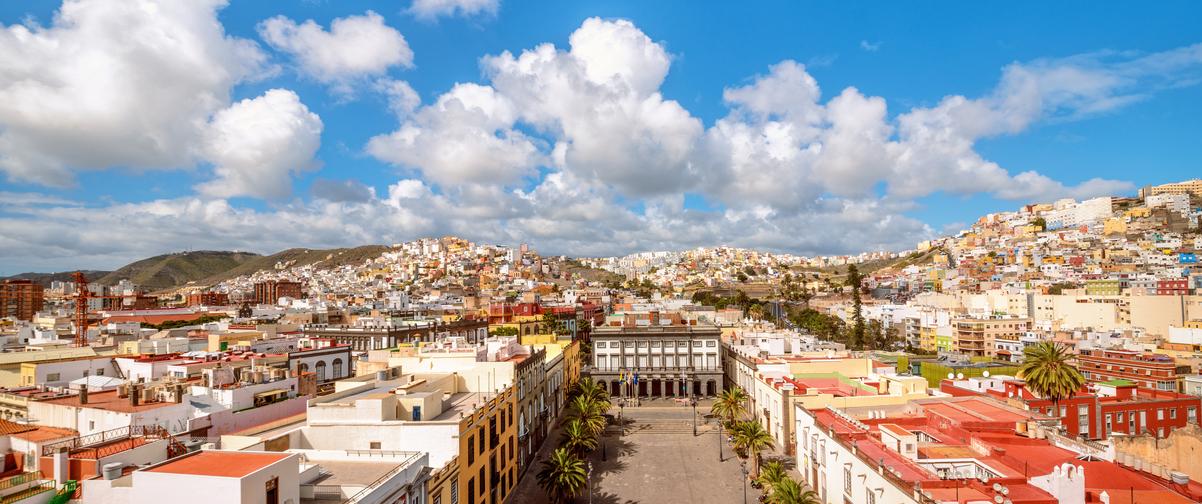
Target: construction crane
x,y
82,295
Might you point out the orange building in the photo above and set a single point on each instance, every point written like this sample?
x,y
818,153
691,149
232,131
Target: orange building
x,y
20,298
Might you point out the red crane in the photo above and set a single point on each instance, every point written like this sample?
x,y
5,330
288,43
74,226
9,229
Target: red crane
x,y
82,295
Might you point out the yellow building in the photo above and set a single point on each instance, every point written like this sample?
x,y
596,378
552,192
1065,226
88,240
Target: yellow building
x,y
1114,226
485,471
926,338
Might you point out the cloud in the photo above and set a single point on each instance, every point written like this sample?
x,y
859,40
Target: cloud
x,y
467,136
257,144
870,46
432,9
115,83
341,191
355,48
576,149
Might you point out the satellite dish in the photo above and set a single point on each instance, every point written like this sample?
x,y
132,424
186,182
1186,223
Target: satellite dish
x,y
951,376
997,487
998,499
960,376
985,374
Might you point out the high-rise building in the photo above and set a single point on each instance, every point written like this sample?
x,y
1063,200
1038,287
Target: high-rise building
x,y
271,291
20,299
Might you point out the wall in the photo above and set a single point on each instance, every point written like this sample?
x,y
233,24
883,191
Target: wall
x,y
437,439
227,421
150,487
1181,450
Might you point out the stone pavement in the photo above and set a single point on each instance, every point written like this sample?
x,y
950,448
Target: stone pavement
x,y
654,458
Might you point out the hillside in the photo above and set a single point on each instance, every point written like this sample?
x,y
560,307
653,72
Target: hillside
x,y
328,258
171,270
44,279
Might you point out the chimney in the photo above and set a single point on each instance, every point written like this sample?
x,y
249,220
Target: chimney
x,y
135,395
179,393
83,394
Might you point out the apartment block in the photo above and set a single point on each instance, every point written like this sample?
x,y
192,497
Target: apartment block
x,y
21,299
1145,370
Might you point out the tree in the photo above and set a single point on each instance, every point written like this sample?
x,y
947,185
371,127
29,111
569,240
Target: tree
x,y
577,438
857,332
756,312
549,324
589,413
771,474
1047,370
731,404
751,438
788,491
563,476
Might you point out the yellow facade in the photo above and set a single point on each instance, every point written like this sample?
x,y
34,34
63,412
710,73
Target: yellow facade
x,y
485,471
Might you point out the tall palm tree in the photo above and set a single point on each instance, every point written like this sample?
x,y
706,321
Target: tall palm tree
x,y
771,473
563,476
751,438
731,404
594,391
577,438
788,491
1047,370
589,414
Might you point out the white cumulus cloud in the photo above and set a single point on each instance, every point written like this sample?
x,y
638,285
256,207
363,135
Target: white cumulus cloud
x,y
353,49
115,83
256,145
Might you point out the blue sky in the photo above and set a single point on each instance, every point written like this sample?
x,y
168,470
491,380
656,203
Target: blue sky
x,y
1140,127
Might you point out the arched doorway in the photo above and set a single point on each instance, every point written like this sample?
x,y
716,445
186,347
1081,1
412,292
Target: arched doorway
x,y
669,388
614,388
696,387
337,369
302,368
642,388
656,388
603,385
711,388
321,371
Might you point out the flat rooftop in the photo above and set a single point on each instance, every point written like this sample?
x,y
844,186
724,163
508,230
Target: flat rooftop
x,y
108,401
224,464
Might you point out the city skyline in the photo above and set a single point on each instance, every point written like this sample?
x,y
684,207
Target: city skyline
x,y
129,131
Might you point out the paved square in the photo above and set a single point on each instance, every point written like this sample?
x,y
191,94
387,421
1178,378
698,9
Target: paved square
x,y
654,458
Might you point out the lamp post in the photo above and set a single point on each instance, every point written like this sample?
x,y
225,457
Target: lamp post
x,y
694,401
719,420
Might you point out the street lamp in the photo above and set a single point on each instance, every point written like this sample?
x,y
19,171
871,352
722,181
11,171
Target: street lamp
x,y
719,420
694,401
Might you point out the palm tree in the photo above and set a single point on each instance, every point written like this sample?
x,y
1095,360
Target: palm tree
x,y
589,414
730,404
1047,370
563,476
594,391
756,312
751,438
577,438
772,473
788,491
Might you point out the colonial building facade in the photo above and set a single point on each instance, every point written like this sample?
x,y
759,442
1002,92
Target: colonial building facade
x,y
668,360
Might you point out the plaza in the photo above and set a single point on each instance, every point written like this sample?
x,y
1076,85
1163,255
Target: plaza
x,y
653,457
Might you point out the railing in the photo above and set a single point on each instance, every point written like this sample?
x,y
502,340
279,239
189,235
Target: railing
x,y
367,490
104,437
19,479
29,492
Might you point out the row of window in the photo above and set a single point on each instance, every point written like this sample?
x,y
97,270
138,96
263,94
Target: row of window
x,y
655,344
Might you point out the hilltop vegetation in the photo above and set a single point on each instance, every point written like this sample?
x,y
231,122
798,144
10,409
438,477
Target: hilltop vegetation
x,y
171,270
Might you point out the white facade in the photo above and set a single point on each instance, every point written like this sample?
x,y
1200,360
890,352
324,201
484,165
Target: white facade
x,y
841,475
